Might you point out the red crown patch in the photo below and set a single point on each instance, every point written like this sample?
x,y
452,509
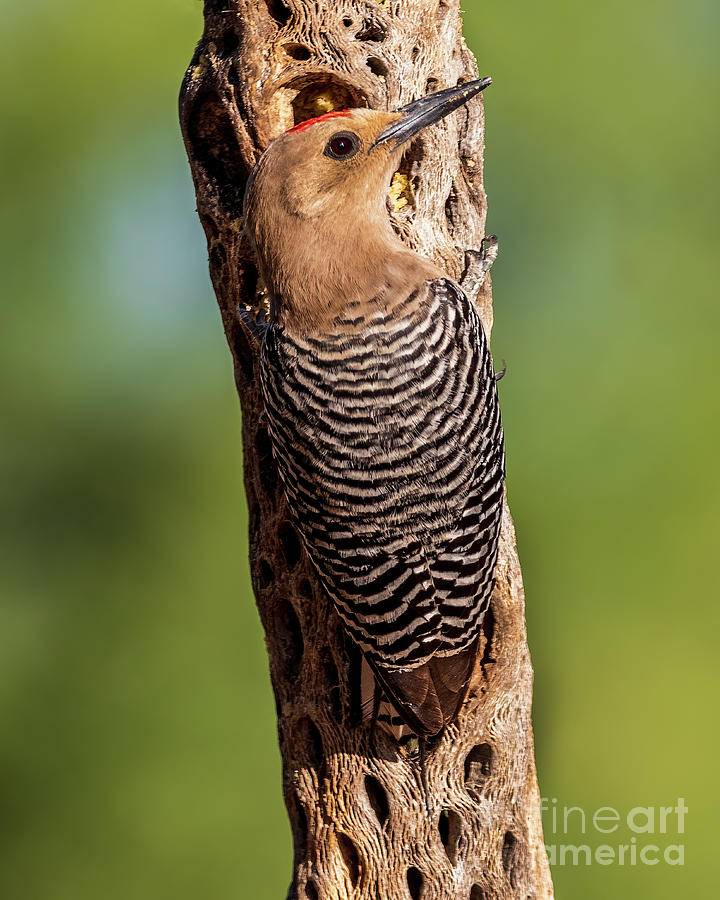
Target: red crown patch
x,y
335,114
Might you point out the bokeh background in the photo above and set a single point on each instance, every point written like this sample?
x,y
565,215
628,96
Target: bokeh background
x,y
137,745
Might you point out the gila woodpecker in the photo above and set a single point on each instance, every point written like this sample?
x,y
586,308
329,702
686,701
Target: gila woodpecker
x,y
381,403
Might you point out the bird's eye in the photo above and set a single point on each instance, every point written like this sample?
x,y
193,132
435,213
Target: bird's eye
x,y
342,145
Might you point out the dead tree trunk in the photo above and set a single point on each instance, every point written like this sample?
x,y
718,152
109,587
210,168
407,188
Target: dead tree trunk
x,y
357,813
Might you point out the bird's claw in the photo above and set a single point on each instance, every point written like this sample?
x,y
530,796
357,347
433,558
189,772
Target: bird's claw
x,y
477,265
256,325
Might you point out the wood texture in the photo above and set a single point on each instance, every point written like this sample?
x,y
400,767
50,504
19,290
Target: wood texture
x,y
356,807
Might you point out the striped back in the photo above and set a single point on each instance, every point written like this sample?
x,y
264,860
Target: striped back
x,y
388,439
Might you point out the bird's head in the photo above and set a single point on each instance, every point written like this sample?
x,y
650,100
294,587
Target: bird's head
x,y
322,185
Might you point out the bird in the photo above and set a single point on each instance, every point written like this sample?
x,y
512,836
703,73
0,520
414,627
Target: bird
x,y
381,402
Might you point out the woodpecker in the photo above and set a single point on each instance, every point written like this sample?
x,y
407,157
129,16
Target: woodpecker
x,y
381,403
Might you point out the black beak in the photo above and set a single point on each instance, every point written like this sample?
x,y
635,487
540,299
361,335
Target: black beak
x,y
423,112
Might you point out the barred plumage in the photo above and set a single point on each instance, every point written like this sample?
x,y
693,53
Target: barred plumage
x,y
388,438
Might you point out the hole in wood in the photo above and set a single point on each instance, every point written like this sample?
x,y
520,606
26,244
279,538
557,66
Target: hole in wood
x,y
350,858
374,32
444,827
228,43
415,882
251,281
297,51
216,149
432,85
450,828
450,205
442,11
267,576
509,850
279,11
405,180
377,67
478,765
477,893
290,542
310,741
311,891
289,638
378,798
322,96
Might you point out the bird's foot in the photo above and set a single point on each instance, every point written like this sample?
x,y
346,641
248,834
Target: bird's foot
x,y
477,264
256,325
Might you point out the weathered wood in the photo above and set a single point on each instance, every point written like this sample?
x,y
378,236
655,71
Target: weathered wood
x,y
357,811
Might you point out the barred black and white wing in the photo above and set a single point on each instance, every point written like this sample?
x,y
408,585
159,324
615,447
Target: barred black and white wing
x,y
388,438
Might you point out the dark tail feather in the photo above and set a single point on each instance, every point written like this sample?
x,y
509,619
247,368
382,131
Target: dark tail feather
x,y
428,697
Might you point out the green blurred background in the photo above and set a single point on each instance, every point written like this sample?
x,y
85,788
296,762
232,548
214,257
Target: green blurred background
x,y
137,744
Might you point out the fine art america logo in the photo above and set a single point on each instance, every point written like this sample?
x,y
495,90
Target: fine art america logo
x,y
642,836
